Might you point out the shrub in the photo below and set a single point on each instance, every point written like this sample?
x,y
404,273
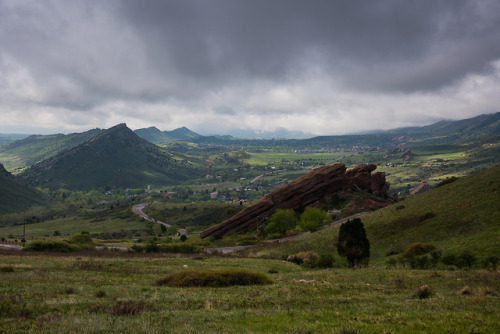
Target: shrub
x,y
491,262
100,293
447,181
308,259
467,259
69,290
51,246
418,248
84,239
281,221
449,259
313,219
424,292
218,278
466,290
325,261
391,262
5,268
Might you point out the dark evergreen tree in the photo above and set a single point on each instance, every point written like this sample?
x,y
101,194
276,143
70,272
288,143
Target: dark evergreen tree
x,y
353,243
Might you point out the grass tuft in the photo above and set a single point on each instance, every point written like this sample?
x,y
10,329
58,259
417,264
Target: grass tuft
x,y
128,307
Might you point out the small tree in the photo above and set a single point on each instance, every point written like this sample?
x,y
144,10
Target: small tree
x,y
156,229
353,243
313,219
281,221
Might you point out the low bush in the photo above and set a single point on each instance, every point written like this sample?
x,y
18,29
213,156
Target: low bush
x,y
464,259
217,278
325,261
491,262
424,292
51,246
418,248
5,268
100,293
84,239
307,259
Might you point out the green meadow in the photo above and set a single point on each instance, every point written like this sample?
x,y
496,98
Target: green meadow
x,y
104,292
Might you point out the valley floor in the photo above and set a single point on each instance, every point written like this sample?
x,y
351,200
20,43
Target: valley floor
x,y
115,292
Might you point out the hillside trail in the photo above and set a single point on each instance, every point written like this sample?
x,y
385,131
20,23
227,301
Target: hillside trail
x,y
232,249
137,209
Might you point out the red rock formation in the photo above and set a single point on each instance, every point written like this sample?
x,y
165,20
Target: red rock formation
x,y
303,191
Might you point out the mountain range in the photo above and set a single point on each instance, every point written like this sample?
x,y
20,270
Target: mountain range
x,y
119,157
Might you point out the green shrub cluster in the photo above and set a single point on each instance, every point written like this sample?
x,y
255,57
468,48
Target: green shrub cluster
x,y
418,248
83,238
51,246
425,256
184,248
218,278
466,259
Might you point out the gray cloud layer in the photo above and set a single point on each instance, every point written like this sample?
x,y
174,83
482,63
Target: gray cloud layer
x,y
323,67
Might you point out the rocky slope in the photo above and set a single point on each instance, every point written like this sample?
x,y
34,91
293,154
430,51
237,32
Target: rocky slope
x,y
304,191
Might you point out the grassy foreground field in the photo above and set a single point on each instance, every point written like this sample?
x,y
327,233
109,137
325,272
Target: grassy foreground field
x,y
106,292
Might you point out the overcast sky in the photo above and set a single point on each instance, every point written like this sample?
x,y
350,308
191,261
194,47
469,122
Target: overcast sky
x,y
215,66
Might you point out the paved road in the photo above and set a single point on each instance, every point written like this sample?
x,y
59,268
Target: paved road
x,y
226,250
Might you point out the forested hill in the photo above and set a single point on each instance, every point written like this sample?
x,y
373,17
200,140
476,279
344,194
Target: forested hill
x,y
116,157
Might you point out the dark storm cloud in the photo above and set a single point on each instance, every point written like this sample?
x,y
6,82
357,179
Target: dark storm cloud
x,y
317,66
407,45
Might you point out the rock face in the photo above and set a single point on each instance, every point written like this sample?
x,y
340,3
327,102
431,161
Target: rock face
x,y
304,191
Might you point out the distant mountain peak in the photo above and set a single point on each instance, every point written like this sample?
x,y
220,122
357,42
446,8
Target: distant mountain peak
x,y
155,136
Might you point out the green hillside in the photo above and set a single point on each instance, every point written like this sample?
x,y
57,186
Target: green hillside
x,y
7,138
16,196
28,151
462,215
116,158
479,128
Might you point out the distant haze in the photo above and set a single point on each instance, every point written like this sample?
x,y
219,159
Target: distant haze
x,y
289,67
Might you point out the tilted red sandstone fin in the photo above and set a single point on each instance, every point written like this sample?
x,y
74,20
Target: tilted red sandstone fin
x,y
305,190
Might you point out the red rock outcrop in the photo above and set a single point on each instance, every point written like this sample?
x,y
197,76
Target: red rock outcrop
x,y
304,191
